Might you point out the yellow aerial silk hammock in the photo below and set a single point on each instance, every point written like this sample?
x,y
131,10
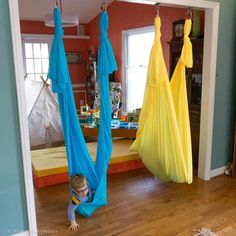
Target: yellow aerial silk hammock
x,y
163,139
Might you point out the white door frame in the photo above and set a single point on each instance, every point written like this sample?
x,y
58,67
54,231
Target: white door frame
x,y
23,121
208,92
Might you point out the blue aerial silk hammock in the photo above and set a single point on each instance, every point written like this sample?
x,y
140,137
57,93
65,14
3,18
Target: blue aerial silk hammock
x,y
79,160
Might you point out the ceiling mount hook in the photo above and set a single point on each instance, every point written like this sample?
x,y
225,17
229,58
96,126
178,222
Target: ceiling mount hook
x,y
103,5
189,13
157,6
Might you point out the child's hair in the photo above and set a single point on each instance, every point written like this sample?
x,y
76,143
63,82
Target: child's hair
x,y
78,181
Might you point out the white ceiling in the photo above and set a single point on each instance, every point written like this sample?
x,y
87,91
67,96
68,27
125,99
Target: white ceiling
x,y
37,9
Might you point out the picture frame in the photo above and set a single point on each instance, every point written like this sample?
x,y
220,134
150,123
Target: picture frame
x,y
74,57
178,29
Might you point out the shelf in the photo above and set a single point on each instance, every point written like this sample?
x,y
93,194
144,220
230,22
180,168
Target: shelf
x,y
50,36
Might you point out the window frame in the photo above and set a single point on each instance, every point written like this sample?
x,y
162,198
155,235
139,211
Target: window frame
x,y
29,39
125,35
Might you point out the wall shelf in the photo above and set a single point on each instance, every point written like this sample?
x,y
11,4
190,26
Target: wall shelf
x,y
49,36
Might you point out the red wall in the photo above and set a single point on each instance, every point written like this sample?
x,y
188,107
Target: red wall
x,y
123,16
38,27
77,71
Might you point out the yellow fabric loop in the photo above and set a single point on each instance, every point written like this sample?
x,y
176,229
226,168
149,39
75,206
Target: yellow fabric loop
x,y
164,149
158,73
186,54
179,94
157,23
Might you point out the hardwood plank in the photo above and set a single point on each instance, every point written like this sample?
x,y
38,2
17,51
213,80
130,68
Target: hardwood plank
x,y
140,204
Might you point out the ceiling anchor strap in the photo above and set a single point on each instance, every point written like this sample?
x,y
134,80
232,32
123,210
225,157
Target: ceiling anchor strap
x,y
55,4
157,6
189,13
103,5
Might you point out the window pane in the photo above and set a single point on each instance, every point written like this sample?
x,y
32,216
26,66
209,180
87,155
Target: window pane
x,y
37,65
45,77
137,77
28,50
45,65
37,60
37,77
29,66
30,76
138,53
44,50
143,43
37,52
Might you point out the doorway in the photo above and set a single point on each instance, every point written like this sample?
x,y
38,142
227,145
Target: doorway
x,y
208,90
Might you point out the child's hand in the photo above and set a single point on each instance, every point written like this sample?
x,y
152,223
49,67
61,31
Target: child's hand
x,y
74,226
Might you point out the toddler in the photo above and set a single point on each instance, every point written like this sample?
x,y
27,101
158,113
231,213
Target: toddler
x,y
81,193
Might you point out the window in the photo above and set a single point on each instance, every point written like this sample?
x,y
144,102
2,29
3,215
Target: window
x,y
36,58
137,45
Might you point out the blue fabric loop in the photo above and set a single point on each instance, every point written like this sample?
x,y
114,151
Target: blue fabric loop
x,y
104,36
106,63
79,160
57,21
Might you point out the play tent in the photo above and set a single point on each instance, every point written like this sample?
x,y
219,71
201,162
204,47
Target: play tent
x,y
43,114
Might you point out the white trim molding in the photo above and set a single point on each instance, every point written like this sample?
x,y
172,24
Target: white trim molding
x,y
201,4
25,146
81,85
218,171
208,91
23,233
30,233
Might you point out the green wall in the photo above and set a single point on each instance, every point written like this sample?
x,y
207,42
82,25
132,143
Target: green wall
x,y
224,112
13,216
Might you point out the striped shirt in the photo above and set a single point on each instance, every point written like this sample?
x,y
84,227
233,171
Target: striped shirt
x,y
75,201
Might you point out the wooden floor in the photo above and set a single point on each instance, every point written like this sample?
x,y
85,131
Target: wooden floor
x,y
139,204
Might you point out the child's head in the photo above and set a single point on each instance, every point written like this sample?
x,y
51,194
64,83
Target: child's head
x,y
79,184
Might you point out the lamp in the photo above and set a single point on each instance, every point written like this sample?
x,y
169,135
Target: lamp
x,y
66,20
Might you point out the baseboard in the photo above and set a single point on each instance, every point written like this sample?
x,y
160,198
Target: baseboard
x,y
218,171
24,233
33,233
